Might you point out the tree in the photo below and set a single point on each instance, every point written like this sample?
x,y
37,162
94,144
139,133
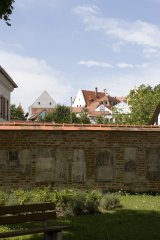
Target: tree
x,y
63,114
119,117
143,102
6,8
101,120
17,113
83,118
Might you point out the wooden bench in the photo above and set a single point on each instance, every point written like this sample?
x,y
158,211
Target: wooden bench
x,y
29,214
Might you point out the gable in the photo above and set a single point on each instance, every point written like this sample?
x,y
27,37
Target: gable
x,y
44,101
91,96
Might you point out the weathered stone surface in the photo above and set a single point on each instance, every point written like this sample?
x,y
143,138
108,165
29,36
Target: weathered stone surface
x,y
105,165
13,161
25,162
3,160
45,165
61,165
153,164
130,164
79,166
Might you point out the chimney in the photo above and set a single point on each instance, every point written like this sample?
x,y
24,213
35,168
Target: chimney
x,y
96,90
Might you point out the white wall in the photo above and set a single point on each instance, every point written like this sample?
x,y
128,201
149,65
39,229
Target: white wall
x,y
79,100
159,119
105,109
122,107
5,89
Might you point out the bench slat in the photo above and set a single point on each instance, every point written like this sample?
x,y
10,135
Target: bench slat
x,y
26,208
27,218
32,231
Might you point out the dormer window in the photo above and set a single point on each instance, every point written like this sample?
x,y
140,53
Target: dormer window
x,y
102,108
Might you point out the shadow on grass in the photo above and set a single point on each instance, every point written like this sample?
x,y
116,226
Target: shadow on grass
x,y
117,225
121,224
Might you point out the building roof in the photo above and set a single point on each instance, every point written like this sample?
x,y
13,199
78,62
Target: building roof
x,y
99,113
43,101
105,100
122,99
91,96
155,115
8,77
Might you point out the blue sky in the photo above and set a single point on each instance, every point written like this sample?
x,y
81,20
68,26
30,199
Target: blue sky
x,y
62,46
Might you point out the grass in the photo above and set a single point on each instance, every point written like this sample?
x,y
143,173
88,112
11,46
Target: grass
x,y
138,218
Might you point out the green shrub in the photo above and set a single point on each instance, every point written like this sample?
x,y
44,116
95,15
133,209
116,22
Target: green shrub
x,y
3,198
92,201
18,197
40,195
78,203
109,201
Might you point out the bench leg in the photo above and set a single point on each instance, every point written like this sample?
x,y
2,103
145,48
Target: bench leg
x,y
53,235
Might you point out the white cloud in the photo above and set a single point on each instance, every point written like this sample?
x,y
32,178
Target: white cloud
x,y
33,76
129,65
137,32
120,83
151,52
92,63
86,9
125,65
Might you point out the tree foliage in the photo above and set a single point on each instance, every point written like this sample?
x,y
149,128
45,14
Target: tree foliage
x,y
63,114
17,113
101,120
143,102
6,8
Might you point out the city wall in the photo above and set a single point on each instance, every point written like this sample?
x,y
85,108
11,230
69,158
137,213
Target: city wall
x,y
105,157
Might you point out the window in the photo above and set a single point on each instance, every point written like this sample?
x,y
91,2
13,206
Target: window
x,y
4,108
50,103
13,161
102,108
39,103
13,155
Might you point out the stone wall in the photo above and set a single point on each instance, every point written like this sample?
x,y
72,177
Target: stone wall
x,y
110,158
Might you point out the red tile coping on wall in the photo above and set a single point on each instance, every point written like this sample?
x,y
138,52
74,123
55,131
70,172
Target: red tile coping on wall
x,y
20,125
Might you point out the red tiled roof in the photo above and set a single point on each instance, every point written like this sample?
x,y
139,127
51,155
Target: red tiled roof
x,y
77,109
122,99
99,113
91,96
39,110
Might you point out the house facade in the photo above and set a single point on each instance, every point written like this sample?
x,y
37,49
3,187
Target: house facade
x,y
7,85
96,104
42,106
85,97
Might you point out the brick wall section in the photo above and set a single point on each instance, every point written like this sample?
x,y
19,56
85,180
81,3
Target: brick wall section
x,y
101,156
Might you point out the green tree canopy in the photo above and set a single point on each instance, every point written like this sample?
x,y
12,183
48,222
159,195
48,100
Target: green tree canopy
x,y
6,8
17,113
63,114
143,102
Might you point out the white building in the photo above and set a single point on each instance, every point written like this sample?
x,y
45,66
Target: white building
x,y
97,104
43,104
85,98
7,85
122,107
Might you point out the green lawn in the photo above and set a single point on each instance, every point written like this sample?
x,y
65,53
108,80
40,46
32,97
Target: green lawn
x,y
137,219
